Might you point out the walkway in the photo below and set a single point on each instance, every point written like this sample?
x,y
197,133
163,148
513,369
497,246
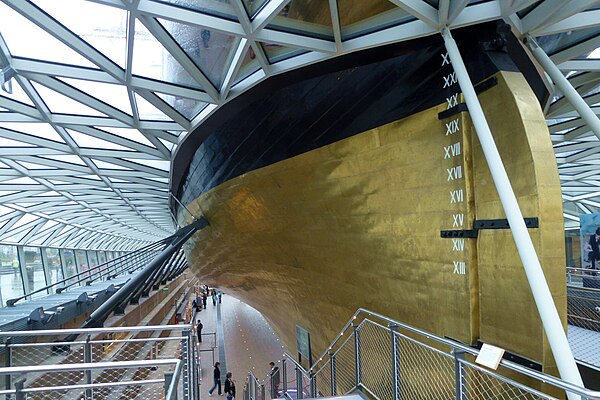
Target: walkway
x,y
249,342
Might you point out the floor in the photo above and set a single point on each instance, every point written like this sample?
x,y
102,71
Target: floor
x,y
585,345
243,339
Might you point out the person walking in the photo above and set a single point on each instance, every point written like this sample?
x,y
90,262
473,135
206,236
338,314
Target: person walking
x,y
204,300
199,330
229,386
275,377
219,296
217,379
214,299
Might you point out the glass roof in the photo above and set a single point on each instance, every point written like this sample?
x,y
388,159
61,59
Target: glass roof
x,y
104,91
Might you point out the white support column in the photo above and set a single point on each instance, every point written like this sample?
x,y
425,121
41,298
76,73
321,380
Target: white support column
x,y
582,108
539,287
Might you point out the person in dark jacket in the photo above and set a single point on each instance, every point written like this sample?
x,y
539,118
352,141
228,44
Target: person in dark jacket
x,y
229,386
217,379
595,250
199,330
204,300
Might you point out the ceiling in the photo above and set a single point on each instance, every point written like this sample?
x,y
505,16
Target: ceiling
x,y
100,93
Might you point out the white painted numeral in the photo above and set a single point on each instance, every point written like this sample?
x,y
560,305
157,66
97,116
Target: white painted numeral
x,y
452,101
459,219
460,267
456,196
452,151
449,80
454,173
445,59
452,127
458,244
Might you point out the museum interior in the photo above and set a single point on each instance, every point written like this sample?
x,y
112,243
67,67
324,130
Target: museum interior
x,y
299,199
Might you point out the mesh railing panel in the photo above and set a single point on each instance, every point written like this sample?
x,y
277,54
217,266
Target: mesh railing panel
x,y
376,359
479,385
423,372
583,316
323,380
345,377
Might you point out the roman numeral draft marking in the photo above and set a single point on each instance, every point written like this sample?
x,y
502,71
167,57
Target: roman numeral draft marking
x,y
452,127
458,244
445,59
454,173
452,151
456,196
459,219
452,101
449,80
459,267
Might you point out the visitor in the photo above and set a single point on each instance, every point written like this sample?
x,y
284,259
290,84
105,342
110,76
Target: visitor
x,y
229,386
217,379
199,330
219,296
275,380
204,300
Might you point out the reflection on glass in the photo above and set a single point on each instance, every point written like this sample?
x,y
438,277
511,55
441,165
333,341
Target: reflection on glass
x,y
249,66
359,17
220,8
187,107
82,263
276,53
11,284
93,259
68,257
54,268
102,260
152,60
34,271
310,17
253,6
210,50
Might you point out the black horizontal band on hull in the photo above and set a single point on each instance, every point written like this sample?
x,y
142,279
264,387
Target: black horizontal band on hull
x,y
304,109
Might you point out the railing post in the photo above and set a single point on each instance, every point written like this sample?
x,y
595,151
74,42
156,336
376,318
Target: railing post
x,y
255,387
313,384
19,395
299,384
186,364
7,363
333,372
284,371
395,362
262,392
168,380
357,360
249,385
87,358
459,375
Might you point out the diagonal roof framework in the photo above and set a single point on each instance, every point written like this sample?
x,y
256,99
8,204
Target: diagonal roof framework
x,y
99,94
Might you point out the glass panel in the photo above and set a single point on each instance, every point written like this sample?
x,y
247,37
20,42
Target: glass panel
x,y
147,110
359,17
102,257
276,53
18,94
103,27
556,43
310,17
93,259
82,263
187,107
210,50
253,6
249,66
220,8
54,267
113,95
11,284
110,256
37,43
68,259
34,271
61,104
152,60
84,140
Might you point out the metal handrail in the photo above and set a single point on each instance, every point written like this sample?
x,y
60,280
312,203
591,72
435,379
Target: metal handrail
x,y
88,366
116,261
61,332
399,330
